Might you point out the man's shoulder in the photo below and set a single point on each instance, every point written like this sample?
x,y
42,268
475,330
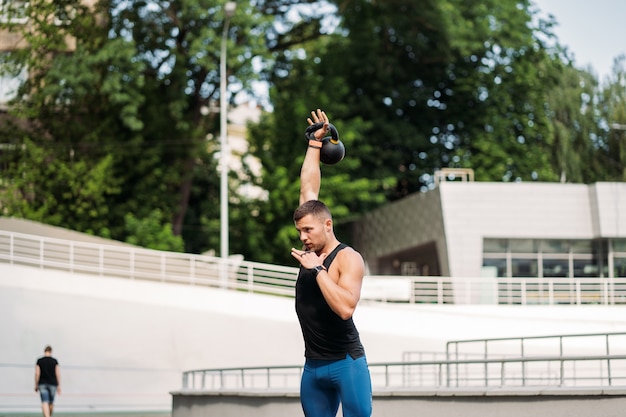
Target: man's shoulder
x,y
348,253
345,246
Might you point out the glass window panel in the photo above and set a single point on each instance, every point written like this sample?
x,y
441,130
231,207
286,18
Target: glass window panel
x,y
619,266
601,253
586,268
523,246
495,245
555,246
555,268
524,268
619,245
582,246
499,264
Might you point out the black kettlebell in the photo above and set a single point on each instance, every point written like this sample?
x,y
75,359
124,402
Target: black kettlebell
x,y
333,149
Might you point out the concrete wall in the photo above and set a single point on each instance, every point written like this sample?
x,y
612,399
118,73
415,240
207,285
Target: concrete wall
x,y
410,222
442,403
123,344
609,202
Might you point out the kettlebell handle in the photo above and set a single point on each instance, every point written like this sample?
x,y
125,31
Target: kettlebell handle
x,y
309,133
331,149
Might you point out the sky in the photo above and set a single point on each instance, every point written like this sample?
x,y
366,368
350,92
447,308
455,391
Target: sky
x,y
593,30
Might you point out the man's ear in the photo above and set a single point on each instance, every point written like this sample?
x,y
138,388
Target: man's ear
x,y
329,224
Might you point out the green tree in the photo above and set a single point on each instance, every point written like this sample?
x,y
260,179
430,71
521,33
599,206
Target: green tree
x,y
574,122
452,84
412,86
117,95
71,116
611,144
153,232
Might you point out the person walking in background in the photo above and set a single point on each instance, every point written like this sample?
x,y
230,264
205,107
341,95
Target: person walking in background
x,y
328,289
47,381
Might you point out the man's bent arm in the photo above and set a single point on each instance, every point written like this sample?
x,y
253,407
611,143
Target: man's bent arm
x,y
343,293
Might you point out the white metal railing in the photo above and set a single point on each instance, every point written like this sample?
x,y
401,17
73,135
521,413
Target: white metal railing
x,y
547,361
125,261
558,345
131,262
544,371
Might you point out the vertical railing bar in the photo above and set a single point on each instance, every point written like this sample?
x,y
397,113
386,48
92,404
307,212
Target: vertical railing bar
x,y
41,255
387,376
71,257
551,292
608,361
440,297
250,278
131,264
100,260
440,375
192,270
163,267
11,248
523,352
485,356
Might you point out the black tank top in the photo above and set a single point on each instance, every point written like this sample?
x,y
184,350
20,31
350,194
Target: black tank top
x,y
326,335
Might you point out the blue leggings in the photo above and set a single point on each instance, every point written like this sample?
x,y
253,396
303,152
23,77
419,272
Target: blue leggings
x,y
326,383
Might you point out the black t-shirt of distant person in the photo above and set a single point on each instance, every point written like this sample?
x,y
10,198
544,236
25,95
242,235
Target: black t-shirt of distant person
x,y
47,366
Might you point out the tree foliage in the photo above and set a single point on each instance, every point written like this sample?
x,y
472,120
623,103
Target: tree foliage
x,y
114,131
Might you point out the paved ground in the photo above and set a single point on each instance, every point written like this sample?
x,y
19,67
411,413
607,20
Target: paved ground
x,y
94,414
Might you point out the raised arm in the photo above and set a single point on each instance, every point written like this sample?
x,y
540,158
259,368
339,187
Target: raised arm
x,y
310,173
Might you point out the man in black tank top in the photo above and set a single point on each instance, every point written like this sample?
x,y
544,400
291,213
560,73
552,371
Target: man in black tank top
x,y
328,289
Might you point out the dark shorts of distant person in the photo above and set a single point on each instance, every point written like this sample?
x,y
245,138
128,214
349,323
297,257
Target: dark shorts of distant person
x,y
47,393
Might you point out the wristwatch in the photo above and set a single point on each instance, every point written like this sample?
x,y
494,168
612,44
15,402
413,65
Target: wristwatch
x,y
318,269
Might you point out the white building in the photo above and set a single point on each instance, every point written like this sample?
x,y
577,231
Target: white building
x,y
502,230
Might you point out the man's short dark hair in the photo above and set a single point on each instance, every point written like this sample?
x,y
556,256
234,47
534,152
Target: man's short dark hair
x,y
314,207
48,349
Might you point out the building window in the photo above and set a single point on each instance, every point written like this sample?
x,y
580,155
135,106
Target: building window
x,y
528,246
556,268
13,11
619,267
554,258
619,246
494,267
9,84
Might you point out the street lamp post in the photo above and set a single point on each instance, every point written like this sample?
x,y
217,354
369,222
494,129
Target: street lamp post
x,y
229,11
